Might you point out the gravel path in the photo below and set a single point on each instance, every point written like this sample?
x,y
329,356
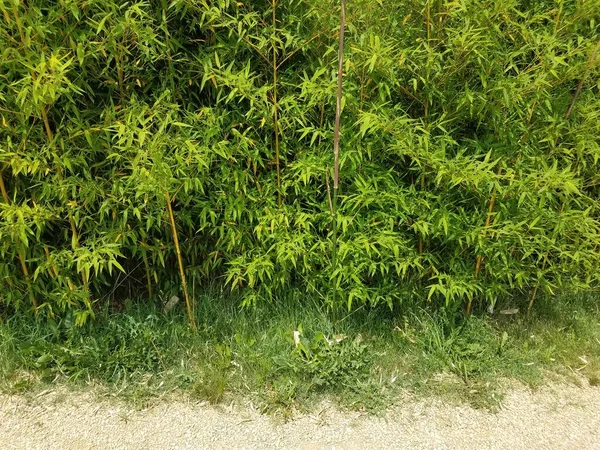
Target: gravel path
x,y
556,417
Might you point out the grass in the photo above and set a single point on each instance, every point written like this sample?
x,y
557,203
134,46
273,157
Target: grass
x,y
362,362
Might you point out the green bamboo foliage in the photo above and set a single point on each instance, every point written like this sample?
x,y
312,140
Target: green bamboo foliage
x,y
469,171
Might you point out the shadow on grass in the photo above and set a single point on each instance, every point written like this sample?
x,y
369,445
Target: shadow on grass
x,y
288,355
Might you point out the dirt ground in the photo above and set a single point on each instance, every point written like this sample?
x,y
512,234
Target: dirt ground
x,y
554,417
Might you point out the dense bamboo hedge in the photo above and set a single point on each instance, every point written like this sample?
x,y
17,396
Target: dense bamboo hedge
x,y
470,141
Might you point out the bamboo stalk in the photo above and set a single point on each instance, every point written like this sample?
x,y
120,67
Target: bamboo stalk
x,y
49,134
321,120
328,192
336,143
3,189
6,16
188,302
426,106
428,19
588,66
276,106
537,285
20,251
54,271
19,24
488,220
32,298
338,108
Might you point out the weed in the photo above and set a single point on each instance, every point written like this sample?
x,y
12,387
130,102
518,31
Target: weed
x,y
214,375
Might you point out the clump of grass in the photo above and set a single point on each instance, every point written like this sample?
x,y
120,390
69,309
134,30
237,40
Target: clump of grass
x,y
361,362
213,375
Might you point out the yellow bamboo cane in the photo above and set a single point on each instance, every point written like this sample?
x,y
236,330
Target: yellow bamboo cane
x,y
188,302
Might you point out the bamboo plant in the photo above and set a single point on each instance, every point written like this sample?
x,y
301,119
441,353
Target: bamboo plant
x,y
470,152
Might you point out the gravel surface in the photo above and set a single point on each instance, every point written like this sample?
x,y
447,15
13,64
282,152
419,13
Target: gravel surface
x,y
555,417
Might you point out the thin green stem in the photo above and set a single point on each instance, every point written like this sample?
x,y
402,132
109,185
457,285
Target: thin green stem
x,y
275,106
336,150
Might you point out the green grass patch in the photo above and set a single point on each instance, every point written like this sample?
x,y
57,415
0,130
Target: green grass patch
x,y
285,357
